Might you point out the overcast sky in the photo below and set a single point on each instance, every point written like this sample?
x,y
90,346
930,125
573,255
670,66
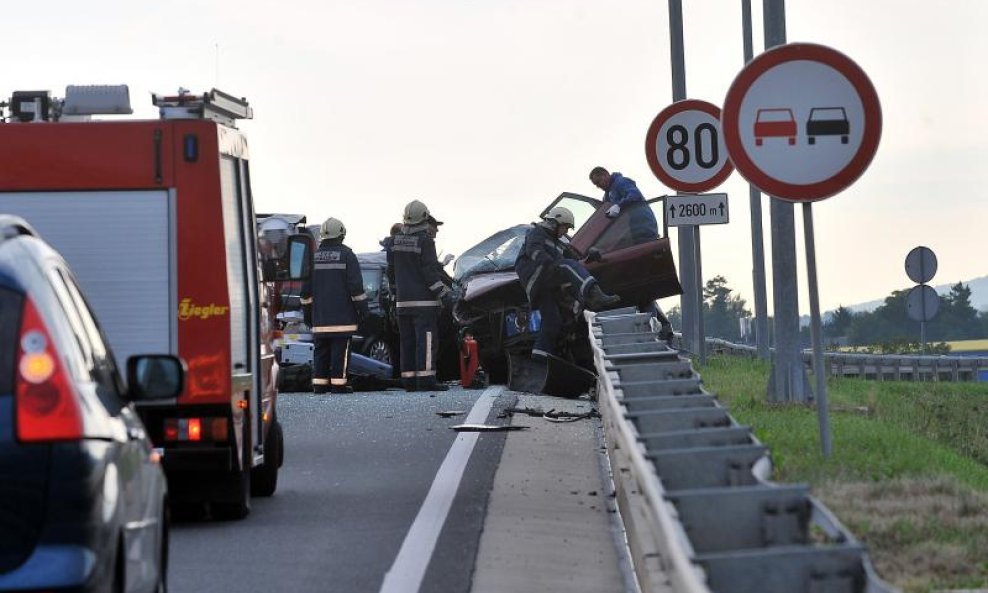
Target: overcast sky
x,y
486,110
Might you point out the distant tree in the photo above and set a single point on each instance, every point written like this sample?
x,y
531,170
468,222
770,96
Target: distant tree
x,y
722,311
889,327
839,323
956,318
675,316
886,324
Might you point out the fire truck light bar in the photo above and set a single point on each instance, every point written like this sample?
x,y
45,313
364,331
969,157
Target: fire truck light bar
x,y
97,100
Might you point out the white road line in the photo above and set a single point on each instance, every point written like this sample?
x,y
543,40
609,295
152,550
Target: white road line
x,y
408,570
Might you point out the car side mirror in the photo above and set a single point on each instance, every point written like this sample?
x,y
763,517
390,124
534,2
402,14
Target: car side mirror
x,y
155,376
299,257
593,255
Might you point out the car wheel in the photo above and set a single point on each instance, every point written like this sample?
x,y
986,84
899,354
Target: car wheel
x,y
163,564
381,351
119,568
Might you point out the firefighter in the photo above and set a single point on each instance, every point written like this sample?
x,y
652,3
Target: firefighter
x,y
421,292
547,268
337,302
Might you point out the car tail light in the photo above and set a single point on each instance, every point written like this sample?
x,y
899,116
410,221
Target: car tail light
x,y
196,430
46,402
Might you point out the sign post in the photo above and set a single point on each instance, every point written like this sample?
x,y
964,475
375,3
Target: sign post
x,y
801,123
686,152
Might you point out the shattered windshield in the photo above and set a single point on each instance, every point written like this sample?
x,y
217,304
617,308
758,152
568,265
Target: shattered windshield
x,y
496,253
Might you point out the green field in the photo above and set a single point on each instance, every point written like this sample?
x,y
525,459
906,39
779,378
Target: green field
x,y
908,474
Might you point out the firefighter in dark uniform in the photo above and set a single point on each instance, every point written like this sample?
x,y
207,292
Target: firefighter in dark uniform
x,y
336,297
547,266
421,293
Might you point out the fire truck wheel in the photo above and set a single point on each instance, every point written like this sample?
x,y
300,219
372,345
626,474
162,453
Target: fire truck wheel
x,y
264,482
240,483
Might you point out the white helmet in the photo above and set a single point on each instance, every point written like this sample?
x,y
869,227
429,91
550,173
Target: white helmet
x,y
332,229
273,233
561,216
416,212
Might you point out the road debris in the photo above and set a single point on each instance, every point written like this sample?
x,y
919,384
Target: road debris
x,y
552,415
486,427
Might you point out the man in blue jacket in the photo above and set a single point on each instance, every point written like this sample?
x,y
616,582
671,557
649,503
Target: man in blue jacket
x,y
421,292
546,266
623,195
336,296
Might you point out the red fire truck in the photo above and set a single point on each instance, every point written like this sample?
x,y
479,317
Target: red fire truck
x,y
156,217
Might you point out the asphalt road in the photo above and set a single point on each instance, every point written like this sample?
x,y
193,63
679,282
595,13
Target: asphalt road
x,y
358,469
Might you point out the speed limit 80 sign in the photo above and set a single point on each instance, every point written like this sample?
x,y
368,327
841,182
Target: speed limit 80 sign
x,y
685,148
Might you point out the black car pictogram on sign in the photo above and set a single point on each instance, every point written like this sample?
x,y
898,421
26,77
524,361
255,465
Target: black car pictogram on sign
x,y
827,121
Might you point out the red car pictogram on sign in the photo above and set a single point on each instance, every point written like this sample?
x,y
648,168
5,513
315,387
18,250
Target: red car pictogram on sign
x,y
775,123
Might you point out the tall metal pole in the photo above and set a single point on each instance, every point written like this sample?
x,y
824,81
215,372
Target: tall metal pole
x,y
757,238
701,339
816,332
788,381
687,270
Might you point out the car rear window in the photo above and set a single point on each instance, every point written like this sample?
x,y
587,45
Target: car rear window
x,y
10,320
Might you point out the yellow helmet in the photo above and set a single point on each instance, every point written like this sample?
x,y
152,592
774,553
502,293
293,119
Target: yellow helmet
x,y
416,212
332,229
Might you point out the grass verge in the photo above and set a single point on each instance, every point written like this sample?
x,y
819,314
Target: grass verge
x,y
908,474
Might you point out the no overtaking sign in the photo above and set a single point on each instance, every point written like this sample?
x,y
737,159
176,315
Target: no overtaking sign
x,y
801,122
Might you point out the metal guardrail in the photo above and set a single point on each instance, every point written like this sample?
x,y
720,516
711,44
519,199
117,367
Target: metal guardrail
x,y
693,486
880,367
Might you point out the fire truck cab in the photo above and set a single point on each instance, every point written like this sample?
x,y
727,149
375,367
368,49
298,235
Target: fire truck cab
x,y
156,217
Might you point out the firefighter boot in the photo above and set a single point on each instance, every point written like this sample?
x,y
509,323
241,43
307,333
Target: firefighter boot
x,y
409,384
430,384
340,389
596,299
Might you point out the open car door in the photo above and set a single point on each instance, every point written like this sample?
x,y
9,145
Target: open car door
x,y
638,270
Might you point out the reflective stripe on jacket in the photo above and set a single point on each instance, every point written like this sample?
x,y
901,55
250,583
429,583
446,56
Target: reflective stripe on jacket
x,y
335,289
541,249
416,270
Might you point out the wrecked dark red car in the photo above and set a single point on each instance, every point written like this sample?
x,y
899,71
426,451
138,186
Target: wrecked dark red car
x,y
493,308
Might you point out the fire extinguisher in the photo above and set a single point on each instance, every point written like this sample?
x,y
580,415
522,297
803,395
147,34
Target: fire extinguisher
x,y
469,360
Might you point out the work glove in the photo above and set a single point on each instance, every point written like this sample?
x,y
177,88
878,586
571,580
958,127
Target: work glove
x,y
447,300
307,314
613,211
362,311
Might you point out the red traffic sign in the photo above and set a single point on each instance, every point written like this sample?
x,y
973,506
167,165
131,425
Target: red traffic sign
x,y
685,148
801,122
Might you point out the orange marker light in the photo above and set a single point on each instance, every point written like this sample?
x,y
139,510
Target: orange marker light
x,y
37,367
195,429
